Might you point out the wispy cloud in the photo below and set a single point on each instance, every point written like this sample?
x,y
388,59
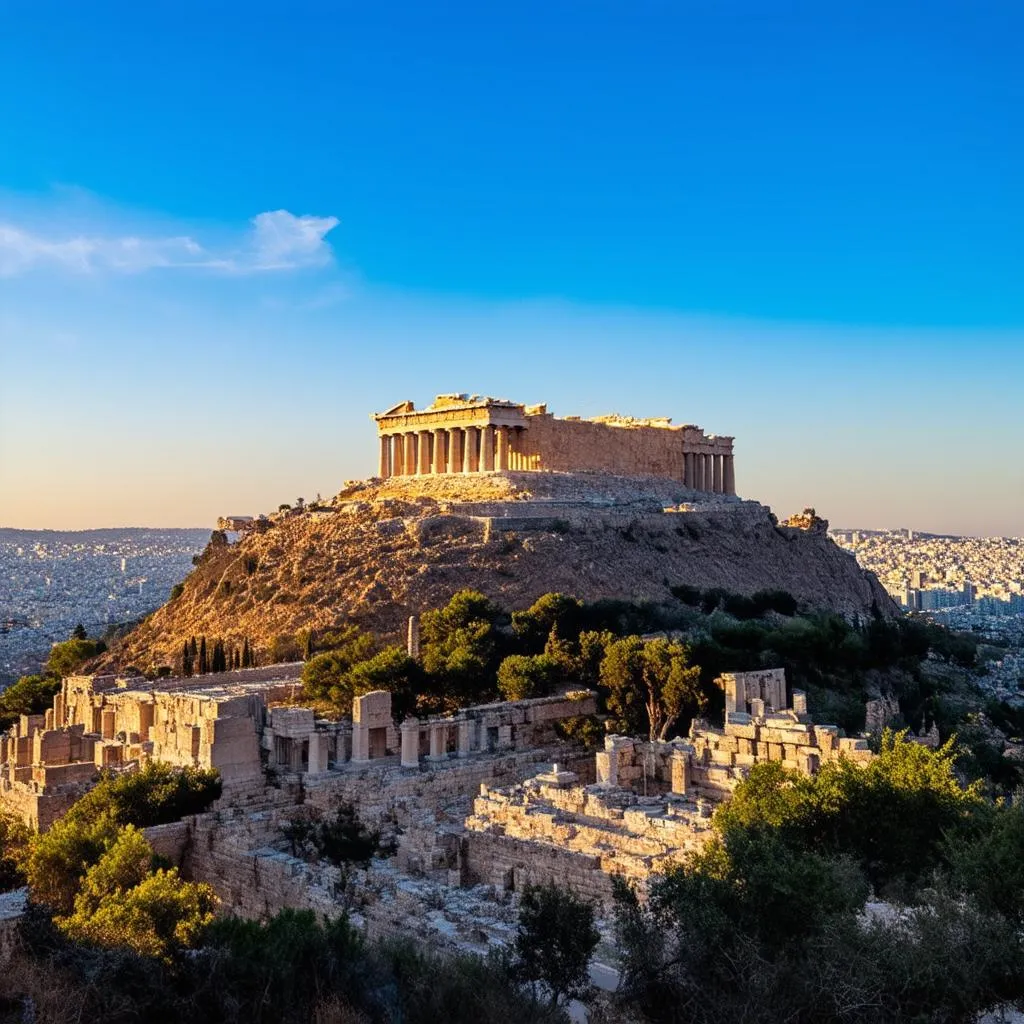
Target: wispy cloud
x,y
276,240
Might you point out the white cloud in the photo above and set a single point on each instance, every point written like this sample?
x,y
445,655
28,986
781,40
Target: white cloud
x,y
278,240
281,240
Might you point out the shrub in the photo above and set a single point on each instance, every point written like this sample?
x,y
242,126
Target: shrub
x,y
30,695
521,676
555,940
123,901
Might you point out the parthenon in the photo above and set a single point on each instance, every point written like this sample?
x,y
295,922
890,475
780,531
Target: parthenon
x,y
460,433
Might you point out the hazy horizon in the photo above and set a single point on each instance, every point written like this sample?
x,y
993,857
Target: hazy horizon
x,y
216,260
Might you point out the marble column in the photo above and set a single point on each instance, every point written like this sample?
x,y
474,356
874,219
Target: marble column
x,y
486,449
501,455
455,450
397,453
317,753
730,475
469,450
440,455
680,772
360,742
410,744
385,464
409,454
438,741
716,461
688,469
463,737
423,453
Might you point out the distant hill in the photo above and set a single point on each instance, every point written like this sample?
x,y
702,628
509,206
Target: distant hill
x,y
384,550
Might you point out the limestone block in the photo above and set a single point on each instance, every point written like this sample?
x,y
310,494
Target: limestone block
x,y
373,709
748,732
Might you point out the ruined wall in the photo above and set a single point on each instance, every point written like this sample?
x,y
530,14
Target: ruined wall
x,y
565,445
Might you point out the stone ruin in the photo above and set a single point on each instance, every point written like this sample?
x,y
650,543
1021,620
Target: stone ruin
x,y
245,724
470,804
651,800
460,433
808,520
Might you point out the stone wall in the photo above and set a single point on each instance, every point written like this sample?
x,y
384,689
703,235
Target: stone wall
x,y
619,448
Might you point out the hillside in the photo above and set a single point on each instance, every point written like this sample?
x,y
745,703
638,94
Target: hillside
x,y
384,550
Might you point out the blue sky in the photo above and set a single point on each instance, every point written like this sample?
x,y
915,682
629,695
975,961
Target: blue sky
x,y
226,237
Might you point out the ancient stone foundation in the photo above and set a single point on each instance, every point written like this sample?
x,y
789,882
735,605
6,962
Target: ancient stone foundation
x,y
651,801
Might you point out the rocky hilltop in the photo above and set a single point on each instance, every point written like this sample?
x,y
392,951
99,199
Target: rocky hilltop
x,y
382,550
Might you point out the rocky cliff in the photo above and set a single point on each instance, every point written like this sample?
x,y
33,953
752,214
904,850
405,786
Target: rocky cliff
x,y
381,551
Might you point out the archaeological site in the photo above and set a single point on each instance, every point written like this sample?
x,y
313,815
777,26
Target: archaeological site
x,y
472,805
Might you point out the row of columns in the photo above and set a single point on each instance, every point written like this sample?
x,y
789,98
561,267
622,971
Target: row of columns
x,y
445,450
714,473
470,736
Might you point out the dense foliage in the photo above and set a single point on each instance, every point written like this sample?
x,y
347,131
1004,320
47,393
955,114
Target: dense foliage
x,y
766,923
653,665
95,871
292,970
340,839
555,941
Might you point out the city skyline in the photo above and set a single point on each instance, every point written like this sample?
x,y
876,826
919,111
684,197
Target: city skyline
x,y
216,260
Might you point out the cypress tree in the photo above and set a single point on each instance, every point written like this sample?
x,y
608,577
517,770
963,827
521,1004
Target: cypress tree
x,y
218,657
246,656
308,649
186,660
192,648
203,664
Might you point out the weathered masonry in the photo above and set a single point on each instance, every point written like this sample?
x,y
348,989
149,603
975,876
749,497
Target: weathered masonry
x,y
469,434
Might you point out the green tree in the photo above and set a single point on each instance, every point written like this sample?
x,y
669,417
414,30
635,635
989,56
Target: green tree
x,y
534,625
285,648
521,676
890,815
124,902
390,669
555,940
186,660
60,856
14,840
324,676
156,794
30,695
650,684
459,647
593,645
204,666
79,633
68,657
989,865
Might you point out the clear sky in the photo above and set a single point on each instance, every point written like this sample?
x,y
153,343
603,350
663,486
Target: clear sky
x,y
228,232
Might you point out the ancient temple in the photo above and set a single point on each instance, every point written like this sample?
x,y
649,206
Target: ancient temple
x,y
470,434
